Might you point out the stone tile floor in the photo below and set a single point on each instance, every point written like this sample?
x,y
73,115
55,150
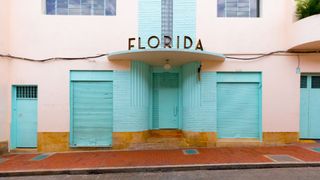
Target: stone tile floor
x,y
102,159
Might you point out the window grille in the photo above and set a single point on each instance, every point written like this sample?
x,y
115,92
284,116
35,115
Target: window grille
x,y
27,92
315,82
166,19
238,8
303,82
81,7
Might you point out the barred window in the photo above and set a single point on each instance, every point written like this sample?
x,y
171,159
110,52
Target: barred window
x,y
81,7
166,19
238,8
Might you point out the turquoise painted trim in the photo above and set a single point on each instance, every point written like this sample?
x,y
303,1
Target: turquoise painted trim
x,y
76,75
238,77
85,76
13,126
13,131
191,51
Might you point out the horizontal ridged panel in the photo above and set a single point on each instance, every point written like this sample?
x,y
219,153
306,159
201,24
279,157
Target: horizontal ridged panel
x,y
238,110
92,113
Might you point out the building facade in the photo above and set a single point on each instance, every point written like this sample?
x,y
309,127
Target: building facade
x,y
117,73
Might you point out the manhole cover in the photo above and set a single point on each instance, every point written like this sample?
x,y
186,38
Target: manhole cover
x,y
41,157
283,158
190,152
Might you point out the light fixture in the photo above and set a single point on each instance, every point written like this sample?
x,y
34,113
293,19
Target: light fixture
x,y
167,66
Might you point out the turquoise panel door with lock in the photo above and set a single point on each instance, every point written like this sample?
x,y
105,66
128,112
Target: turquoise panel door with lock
x,y
92,114
26,116
310,107
166,100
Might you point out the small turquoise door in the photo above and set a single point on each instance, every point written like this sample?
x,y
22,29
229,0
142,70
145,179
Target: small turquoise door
x,y
310,107
238,110
165,100
92,104
26,114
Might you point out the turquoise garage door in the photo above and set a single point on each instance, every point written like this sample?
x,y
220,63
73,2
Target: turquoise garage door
x,y
26,116
310,107
238,108
92,106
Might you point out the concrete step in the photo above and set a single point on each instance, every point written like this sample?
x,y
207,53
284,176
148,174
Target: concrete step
x,y
166,133
238,142
160,143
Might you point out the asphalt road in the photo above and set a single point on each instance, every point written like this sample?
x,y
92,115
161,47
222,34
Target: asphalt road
x,y
260,174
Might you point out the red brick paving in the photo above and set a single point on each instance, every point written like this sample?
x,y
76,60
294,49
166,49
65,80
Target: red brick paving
x,y
154,157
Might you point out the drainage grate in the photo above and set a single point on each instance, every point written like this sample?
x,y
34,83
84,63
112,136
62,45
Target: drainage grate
x,y
2,160
317,149
41,157
283,158
190,152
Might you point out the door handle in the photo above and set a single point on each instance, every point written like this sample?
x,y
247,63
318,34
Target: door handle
x,y
175,110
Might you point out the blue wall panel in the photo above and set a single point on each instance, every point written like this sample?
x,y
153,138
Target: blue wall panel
x,y
199,99
149,19
184,20
131,98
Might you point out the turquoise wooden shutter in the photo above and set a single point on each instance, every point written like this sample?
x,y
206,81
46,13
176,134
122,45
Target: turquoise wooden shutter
x,y
26,116
238,110
92,114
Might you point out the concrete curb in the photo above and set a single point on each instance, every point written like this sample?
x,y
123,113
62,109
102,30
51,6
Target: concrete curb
x,y
86,171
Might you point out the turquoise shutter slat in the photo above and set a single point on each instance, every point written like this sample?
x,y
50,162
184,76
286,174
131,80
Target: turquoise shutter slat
x,y
92,113
238,110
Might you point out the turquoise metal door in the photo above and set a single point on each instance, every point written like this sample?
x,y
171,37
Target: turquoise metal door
x,y
310,107
238,110
25,110
166,100
92,114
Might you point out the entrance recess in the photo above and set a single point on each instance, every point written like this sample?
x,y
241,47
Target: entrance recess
x,y
165,100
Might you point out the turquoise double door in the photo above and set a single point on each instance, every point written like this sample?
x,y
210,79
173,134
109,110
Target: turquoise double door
x,y
310,107
165,100
92,114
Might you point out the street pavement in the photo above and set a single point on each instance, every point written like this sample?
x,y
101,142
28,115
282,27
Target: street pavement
x,y
251,174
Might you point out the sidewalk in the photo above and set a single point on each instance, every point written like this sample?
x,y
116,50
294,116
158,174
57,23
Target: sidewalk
x,y
65,163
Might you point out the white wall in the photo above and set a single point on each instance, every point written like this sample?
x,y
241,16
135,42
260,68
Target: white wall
x,y
4,26
4,70
245,35
4,99
36,35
